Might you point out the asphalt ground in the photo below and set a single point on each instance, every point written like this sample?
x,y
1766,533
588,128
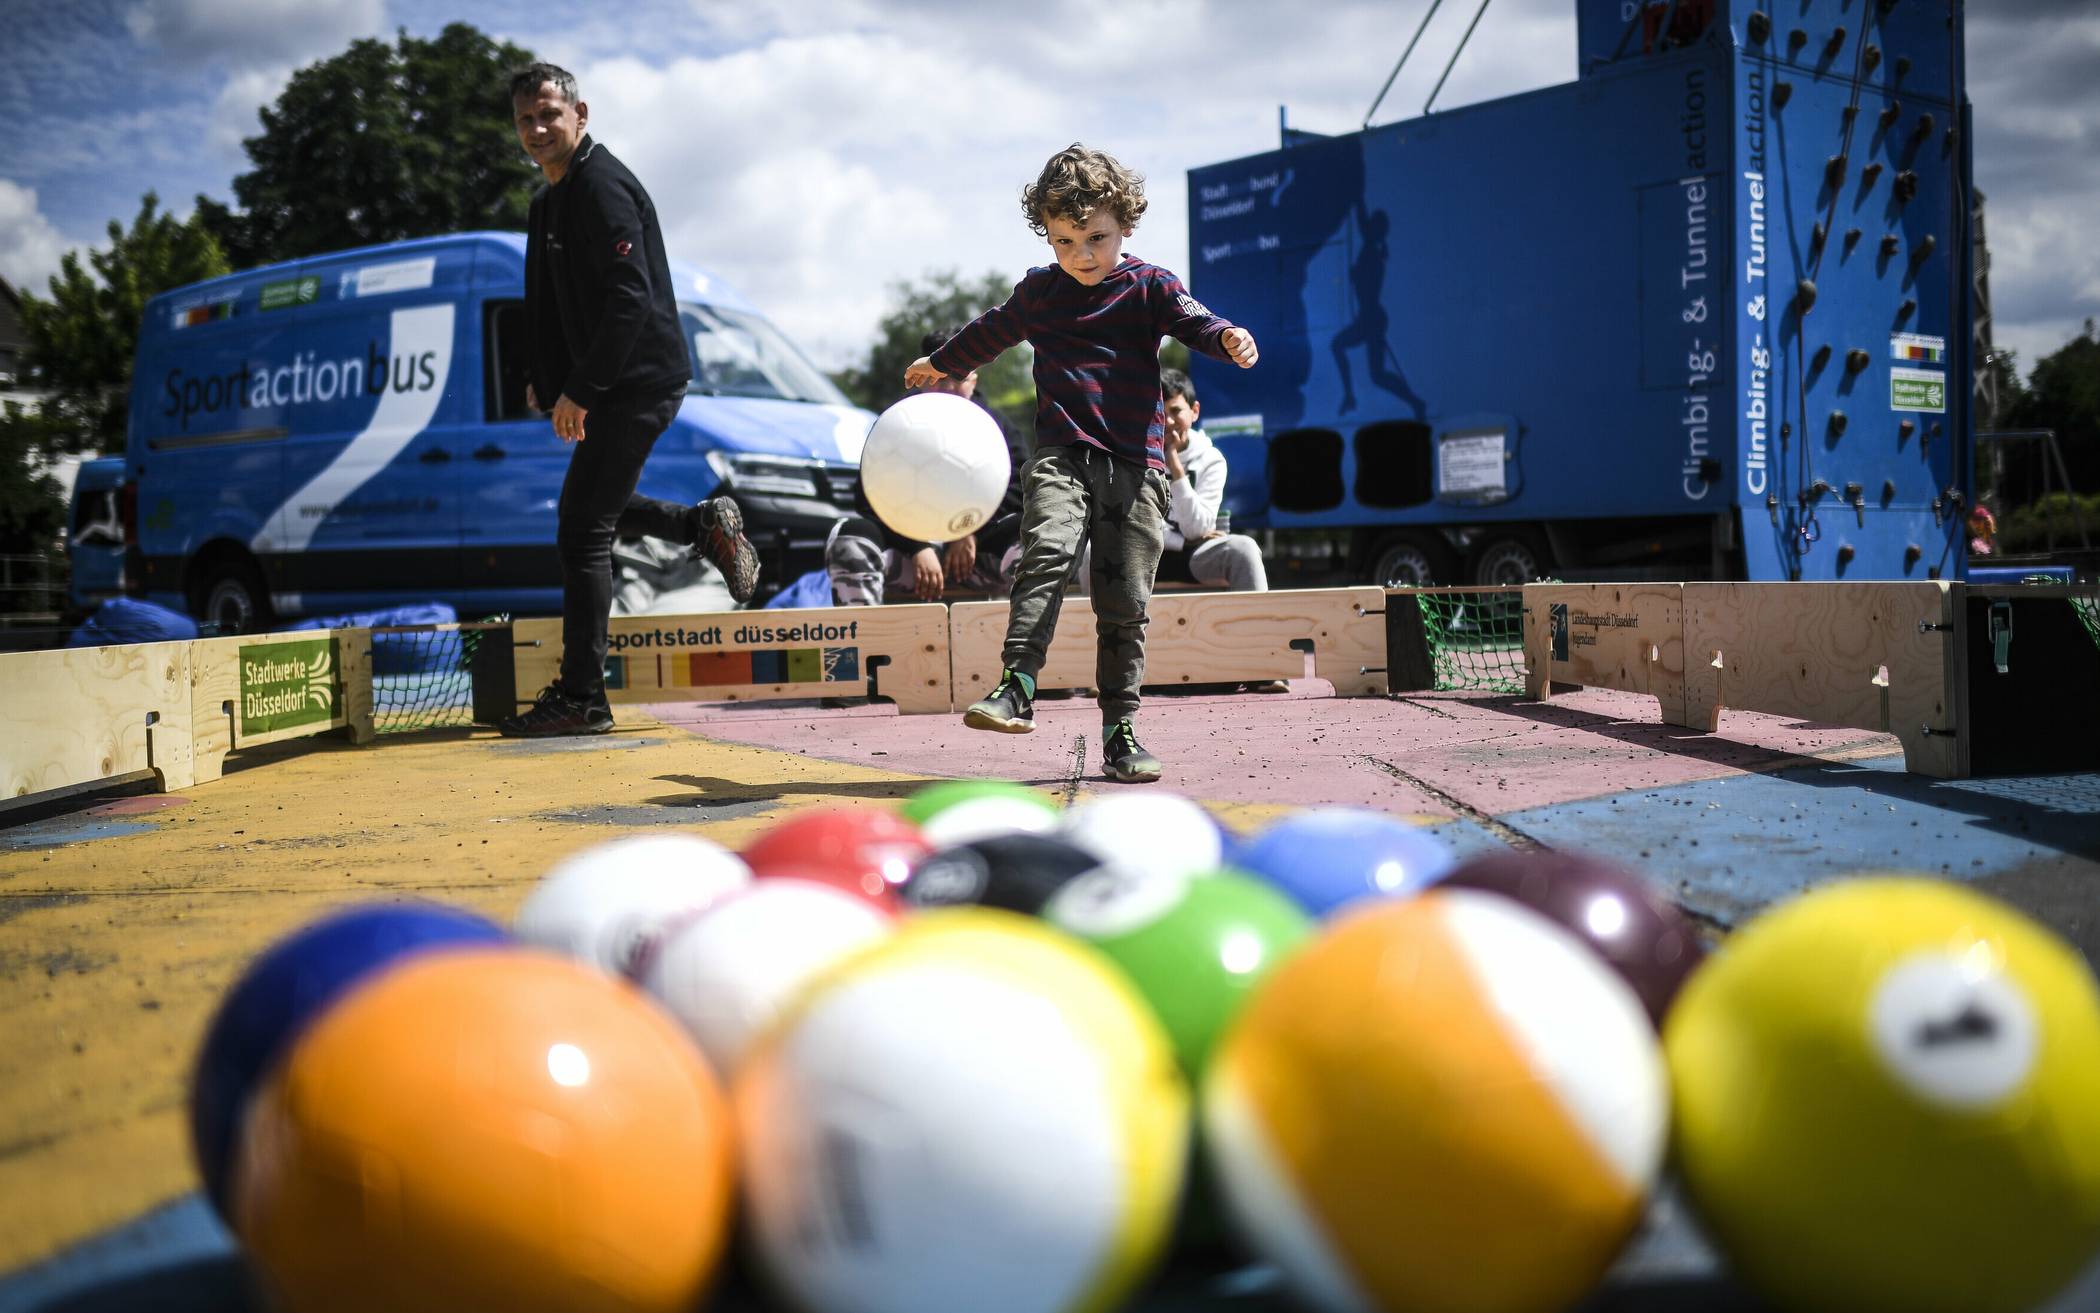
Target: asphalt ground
x,y
123,920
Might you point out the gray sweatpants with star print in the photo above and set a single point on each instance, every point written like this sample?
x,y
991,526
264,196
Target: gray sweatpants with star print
x,y
1073,496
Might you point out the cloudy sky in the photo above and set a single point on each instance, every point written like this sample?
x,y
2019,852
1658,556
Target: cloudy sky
x,y
815,151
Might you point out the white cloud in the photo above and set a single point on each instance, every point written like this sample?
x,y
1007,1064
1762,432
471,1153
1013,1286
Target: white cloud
x,y
30,248
825,151
813,172
236,113
244,34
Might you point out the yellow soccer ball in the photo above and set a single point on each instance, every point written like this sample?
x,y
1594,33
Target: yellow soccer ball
x,y
1887,1097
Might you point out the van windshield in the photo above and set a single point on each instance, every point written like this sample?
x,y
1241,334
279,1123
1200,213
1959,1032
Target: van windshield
x,y
741,355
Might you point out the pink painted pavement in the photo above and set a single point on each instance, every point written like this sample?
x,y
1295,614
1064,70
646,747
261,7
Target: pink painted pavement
x,y
1496,754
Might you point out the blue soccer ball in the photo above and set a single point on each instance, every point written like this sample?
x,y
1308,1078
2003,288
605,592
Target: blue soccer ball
x,y
1329,857
280,996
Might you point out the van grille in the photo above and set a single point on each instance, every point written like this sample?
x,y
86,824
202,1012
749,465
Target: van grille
x,y
839,485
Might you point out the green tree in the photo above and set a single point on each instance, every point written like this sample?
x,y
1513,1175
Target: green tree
x,y
943,300
32,515
2063,393
381,143
81,340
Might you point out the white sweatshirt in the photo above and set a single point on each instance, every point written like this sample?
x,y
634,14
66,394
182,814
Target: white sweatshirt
x,y
1194,498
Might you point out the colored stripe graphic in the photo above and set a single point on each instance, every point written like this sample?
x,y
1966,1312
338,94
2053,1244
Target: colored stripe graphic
x,y
702,668
799,665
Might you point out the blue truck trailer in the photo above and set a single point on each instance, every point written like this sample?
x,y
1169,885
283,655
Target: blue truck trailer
x,y
1703,313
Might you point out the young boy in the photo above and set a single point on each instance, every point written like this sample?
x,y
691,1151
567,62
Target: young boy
x,y
1098,476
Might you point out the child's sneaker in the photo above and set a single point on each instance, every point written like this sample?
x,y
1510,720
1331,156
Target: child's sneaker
x,y
1123,758
1009,708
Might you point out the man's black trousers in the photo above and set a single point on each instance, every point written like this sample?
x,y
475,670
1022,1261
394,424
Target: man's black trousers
x,y
597,505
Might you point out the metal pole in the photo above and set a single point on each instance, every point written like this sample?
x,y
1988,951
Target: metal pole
x,y
1419,30
1456,53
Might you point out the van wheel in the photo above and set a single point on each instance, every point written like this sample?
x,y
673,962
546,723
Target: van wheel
x,y
230,596
1409,560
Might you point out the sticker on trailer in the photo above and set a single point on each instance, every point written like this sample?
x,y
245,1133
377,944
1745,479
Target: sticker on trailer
x,y
1917,389
1918,347
1233,426
1474,465
379,279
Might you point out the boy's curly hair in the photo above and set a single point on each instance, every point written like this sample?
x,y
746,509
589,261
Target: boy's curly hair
x,y
1076,182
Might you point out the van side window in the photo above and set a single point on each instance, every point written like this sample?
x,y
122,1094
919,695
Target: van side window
x,y
95,518
505,350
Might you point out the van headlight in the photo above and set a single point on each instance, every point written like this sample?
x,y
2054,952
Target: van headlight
x,y
780,475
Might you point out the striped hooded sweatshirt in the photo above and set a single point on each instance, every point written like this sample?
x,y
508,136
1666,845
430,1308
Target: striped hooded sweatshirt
x,y
1096,352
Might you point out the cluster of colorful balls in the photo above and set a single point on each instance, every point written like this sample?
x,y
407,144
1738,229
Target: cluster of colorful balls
x,y
981,1053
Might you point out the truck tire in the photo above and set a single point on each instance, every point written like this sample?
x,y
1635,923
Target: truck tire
x,y
230,594
1409,560
1506,559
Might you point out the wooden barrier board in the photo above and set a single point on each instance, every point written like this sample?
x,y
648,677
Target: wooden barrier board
x,y
745,656
1882,656
1874,655
79,716
1197,638
252,689
1623,636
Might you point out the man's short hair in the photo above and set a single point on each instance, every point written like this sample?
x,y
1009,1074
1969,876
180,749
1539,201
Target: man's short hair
x,y
1173,383
937,339
528,80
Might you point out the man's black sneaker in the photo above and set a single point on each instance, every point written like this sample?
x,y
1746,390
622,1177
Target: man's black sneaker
x,y
1124,759
722,541
1007,709
555,714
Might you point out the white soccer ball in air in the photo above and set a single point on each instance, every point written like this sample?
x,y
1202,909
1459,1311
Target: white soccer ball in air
x,y
935,467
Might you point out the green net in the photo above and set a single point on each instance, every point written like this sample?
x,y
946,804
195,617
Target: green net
x,y
1476,639
422,678
2087,609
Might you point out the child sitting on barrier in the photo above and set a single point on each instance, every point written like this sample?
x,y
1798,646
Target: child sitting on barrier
x,y
1098,476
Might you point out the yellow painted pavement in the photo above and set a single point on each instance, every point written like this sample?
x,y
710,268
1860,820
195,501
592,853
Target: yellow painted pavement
x,y
114,951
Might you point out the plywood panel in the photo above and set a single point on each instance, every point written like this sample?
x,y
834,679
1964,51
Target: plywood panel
x,y
1881,656
747,656
1197,638
1624,636
79,715
252,689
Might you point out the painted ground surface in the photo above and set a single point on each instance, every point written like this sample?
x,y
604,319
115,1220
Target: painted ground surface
x,y
121,923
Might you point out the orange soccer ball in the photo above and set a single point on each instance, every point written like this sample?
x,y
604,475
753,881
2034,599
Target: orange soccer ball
x,y
488,1129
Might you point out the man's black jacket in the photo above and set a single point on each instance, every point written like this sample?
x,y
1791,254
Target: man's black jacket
x,y
598,288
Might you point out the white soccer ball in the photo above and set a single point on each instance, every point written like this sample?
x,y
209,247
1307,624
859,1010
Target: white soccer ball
x,y
935,467
729,973
610,904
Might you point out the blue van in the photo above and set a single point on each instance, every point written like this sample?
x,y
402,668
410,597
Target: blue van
x,y
349,432
95,534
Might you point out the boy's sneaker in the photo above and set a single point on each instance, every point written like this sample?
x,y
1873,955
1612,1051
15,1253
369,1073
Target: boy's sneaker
x,y
1123,758
721,540
554,714
1008,708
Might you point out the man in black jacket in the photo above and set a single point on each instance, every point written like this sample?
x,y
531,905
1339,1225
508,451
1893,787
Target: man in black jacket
x,y
607,347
